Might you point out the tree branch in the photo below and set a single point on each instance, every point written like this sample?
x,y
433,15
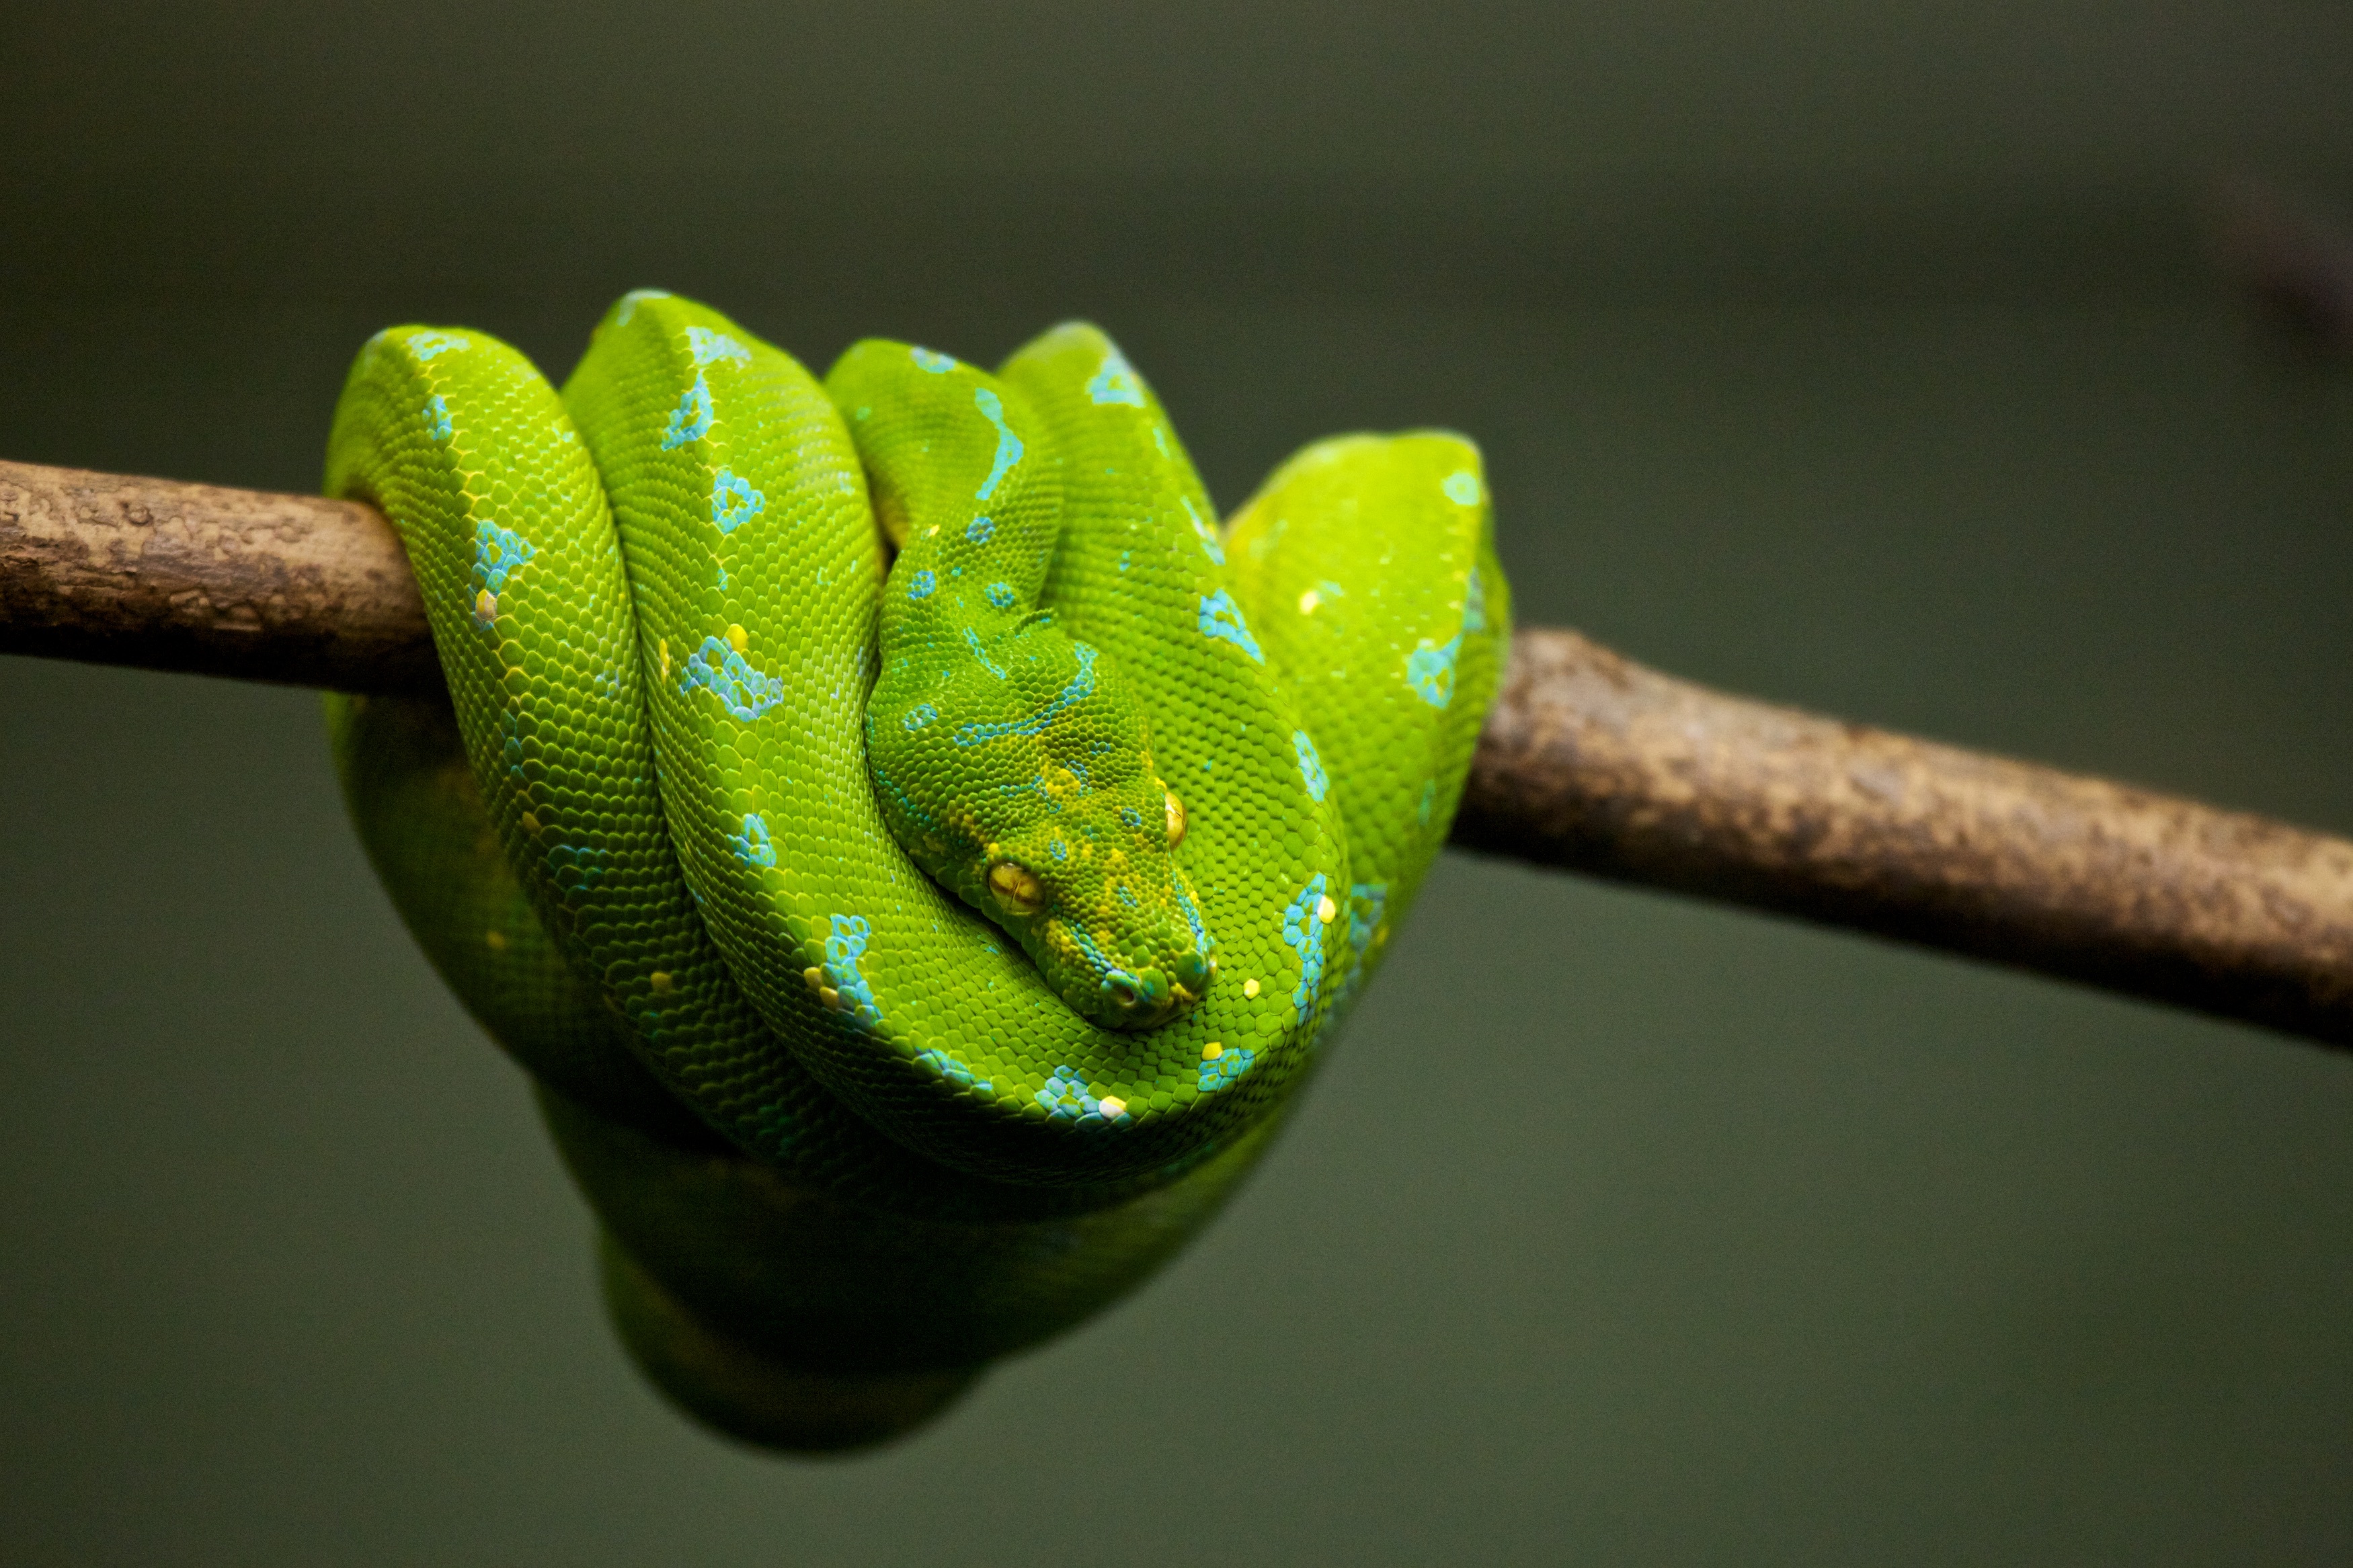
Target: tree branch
x,y
1588,763
160,574
1592,763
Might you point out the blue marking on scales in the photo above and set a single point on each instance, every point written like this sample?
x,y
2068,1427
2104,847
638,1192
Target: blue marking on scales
x,y
707,345
690,421
1089,950
733,502
1302,929
843,949
1067,1098
1430,668
753,846
745,692
953,1070
1311,766
1192,914
1082,687
1229,1063
972,641
497,552
1116,382
1222,618
1009,444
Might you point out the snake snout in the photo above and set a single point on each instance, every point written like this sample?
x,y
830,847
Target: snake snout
x,y
1150,996
1134,1000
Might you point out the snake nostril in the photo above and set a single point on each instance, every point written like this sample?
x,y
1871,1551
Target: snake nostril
x,y
1122,992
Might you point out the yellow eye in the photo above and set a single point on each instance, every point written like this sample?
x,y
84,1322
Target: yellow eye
x,y
1176,817
1017,887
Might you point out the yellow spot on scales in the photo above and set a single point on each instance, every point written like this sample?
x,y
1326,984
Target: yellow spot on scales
x,y
1110,1108
1212,1052
1249,987
663,648
1325,909
738,639
1308,601
662,984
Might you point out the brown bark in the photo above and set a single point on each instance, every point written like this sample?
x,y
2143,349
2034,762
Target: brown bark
x,y
166,575
1590,762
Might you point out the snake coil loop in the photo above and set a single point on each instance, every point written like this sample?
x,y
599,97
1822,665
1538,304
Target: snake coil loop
x,y
908,966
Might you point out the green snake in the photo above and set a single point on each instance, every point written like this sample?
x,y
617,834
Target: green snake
x,y
908,963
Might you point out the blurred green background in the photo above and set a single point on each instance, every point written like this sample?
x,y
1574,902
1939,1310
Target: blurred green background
x,y
1867,357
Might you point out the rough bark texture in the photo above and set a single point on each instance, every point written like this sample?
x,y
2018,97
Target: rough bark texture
x,y
1594,763
168,575
1590,762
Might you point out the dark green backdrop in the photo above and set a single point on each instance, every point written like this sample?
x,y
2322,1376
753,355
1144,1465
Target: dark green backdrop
x,y
1857,355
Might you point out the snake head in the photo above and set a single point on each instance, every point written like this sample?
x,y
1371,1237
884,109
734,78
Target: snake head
x,y
1023,780
1116,932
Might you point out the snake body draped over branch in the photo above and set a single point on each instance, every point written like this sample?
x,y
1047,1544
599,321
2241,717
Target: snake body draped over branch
x,y
907,965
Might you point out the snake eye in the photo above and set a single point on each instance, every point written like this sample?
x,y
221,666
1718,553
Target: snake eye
x,y
1176,817
1017,887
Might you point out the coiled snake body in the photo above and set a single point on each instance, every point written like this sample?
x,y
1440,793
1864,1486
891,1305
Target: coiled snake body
x,y
908,966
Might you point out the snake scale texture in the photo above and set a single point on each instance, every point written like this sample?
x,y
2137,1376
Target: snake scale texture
x,y
907,964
